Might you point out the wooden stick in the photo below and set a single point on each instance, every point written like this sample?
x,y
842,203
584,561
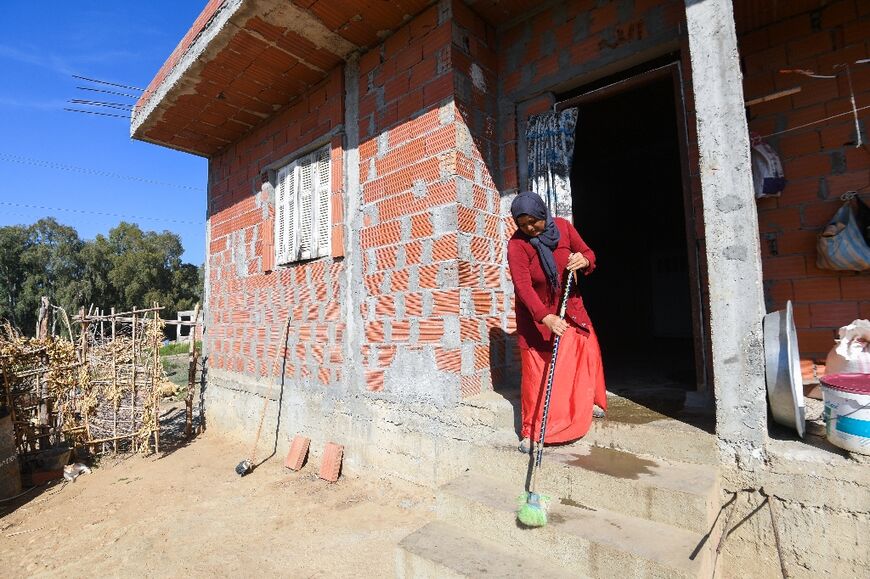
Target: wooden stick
x,y
191,374
134,312
84,359
133,398
114,385
773,96
154,394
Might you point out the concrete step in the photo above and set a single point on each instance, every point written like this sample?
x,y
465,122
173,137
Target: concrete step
x,y
637,428
442,551
680,494
681,435
592,541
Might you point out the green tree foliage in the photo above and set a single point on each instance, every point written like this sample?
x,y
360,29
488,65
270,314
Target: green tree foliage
x,y
129,268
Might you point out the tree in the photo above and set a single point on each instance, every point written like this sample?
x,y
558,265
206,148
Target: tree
x,y
128,268
14,241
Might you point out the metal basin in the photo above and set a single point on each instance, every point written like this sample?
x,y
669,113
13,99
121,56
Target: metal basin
x,y
785,391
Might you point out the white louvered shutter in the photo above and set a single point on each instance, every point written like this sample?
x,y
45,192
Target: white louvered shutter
x,y
324,217
306,207
284,213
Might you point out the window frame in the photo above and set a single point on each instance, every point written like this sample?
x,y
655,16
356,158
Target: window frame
x,y
289,239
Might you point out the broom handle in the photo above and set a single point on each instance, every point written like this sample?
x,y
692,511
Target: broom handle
x,y
549,390
280,353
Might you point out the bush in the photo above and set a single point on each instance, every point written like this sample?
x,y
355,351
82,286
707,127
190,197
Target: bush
x,y
176,348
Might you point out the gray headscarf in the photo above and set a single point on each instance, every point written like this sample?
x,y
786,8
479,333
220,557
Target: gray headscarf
x,y
529,203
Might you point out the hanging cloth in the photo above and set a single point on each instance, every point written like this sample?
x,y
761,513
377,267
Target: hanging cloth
x,y
767,175
550,142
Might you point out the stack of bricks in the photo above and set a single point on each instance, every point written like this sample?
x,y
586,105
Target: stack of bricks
x,y
820,161
250,299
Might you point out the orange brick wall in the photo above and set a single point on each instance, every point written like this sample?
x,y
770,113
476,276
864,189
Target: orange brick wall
x,y
407,141
249,300
487,319
818,160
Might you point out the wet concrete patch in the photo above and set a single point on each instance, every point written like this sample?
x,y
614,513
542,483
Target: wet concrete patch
x,y
612,462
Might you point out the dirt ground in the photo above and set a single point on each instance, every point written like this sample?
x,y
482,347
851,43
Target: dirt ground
x,y
187,513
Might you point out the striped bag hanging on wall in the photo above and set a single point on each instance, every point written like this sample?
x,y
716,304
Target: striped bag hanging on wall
x,y
841,245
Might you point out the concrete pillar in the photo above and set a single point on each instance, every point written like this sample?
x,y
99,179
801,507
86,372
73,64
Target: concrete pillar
x,y
730,231
353,262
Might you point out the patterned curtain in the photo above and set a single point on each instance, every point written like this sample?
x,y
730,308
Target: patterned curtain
x,y
550,142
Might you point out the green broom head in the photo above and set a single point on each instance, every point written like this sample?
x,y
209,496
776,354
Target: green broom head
x,y
533,509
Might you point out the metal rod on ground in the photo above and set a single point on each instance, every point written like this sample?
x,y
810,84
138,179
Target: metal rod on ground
x,y
773,522
247,465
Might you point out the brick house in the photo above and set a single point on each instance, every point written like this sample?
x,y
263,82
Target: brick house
x,y
362,156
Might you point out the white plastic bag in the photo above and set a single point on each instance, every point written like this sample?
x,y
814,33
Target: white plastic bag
x,y
851,355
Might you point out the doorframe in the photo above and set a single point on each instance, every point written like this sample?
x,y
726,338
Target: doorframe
x,y
672,70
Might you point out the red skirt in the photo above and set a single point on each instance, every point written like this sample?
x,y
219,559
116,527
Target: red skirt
x,y
577,383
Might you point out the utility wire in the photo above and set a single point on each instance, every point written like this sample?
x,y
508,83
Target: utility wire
x,y
122,106
51,165
96,113
814,122
103,213
107,82
132,96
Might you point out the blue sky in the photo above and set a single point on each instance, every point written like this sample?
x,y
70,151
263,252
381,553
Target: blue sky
x,y
70,161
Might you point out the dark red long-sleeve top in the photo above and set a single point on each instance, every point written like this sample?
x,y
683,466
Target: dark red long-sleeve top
x,y
534,300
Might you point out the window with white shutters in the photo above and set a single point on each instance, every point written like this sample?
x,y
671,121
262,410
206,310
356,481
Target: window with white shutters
x,y
302,208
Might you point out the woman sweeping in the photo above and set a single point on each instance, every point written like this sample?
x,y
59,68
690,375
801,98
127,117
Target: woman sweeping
x,y
540,253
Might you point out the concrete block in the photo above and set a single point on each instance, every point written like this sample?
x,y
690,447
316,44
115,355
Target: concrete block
x,y
298,453
330,466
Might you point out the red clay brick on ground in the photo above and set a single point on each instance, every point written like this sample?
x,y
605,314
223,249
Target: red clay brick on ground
x,y
298,452
330,466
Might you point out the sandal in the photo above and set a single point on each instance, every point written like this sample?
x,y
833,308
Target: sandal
x,y
525,446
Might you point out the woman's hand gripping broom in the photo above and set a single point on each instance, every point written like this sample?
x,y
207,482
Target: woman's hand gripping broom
x,y
533,506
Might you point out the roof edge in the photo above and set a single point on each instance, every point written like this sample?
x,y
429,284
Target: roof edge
x,y
216,24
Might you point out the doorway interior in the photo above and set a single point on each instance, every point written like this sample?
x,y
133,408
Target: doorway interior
x,y
629,204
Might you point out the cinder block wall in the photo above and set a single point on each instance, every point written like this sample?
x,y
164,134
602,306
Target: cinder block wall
x,y
819,163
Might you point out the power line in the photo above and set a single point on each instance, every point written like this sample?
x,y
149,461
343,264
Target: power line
x,y
51,165
107,82
90,103
132,96
103,213
97,113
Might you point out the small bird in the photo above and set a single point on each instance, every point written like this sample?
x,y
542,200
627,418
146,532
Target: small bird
x,y
72,471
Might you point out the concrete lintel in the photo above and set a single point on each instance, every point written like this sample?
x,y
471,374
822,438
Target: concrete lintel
x,y
731,233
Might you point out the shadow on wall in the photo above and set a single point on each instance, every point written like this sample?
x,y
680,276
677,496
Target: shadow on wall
x,y
505,370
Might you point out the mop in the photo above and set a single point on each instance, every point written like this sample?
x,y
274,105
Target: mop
x,y
533,506
247,465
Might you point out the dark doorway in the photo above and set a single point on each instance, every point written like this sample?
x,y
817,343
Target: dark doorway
x,y
628,201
